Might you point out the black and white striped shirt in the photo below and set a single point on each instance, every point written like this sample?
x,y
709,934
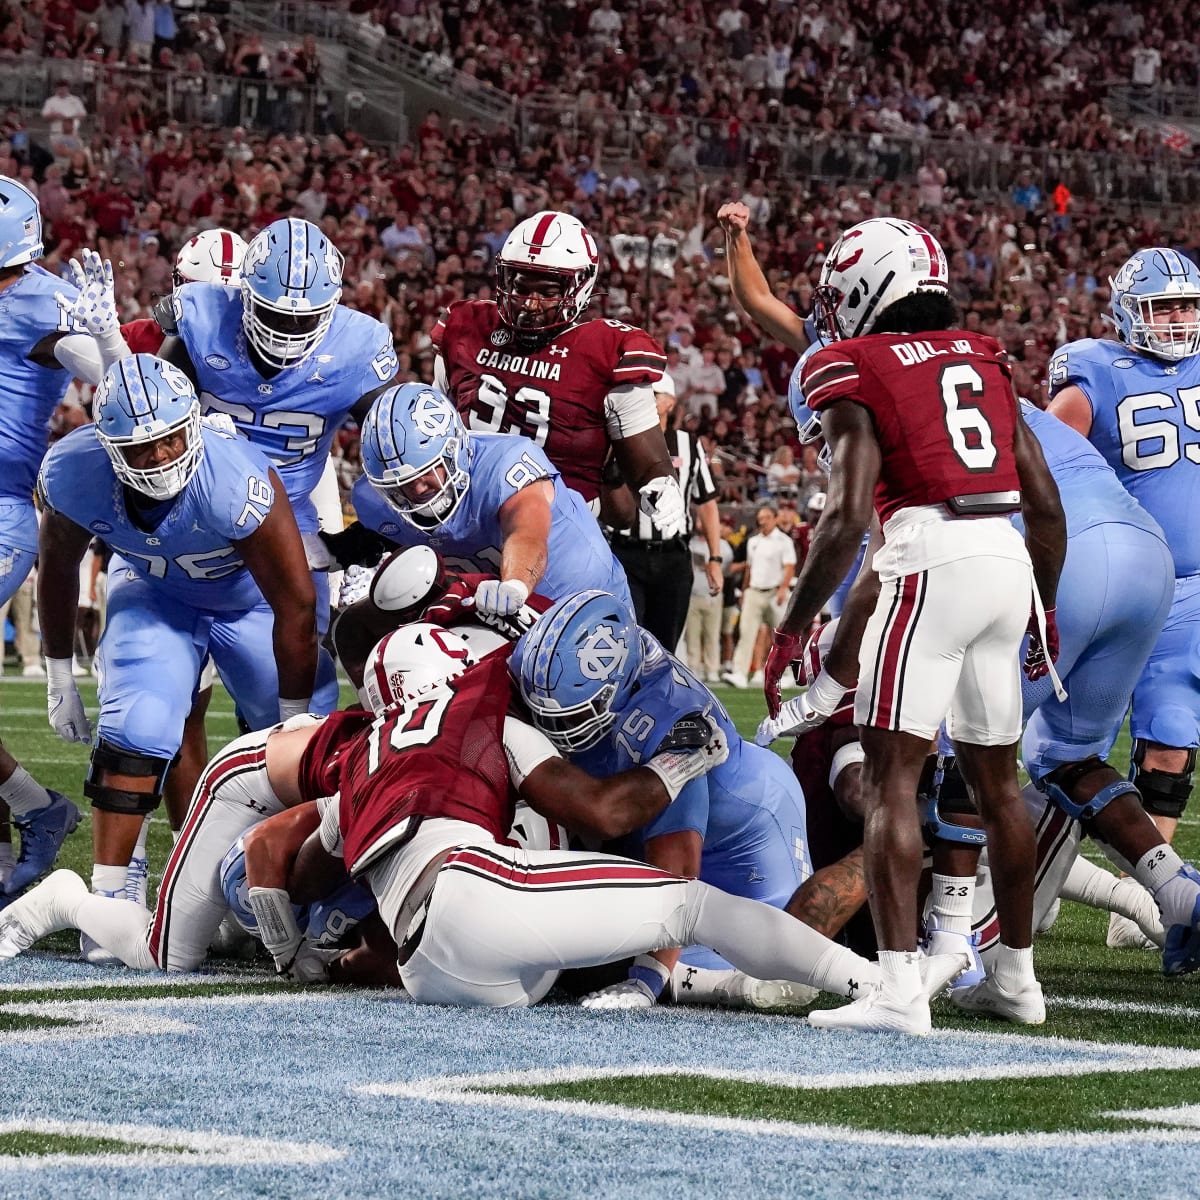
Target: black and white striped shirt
x,y
695,480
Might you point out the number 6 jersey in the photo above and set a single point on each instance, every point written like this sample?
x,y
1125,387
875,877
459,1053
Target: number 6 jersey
x,y
944,412
1146,424
589,386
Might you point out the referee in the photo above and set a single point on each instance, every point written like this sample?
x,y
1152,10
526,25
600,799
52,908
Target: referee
x,y
660,570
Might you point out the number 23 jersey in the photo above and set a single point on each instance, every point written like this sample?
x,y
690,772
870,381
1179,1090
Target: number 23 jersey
x,y
1146,424
557,395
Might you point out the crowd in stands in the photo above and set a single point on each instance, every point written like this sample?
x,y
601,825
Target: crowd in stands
x,y
420,223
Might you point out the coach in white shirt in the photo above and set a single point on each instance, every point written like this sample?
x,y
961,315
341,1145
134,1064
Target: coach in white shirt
x,y
770,565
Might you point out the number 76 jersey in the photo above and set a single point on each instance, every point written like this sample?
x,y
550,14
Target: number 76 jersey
x,y
944,412
1146,423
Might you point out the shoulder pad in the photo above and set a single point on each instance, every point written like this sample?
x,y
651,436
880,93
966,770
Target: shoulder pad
x,y
692,732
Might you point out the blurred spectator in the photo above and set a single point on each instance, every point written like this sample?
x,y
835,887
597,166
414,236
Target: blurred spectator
x,y
63,105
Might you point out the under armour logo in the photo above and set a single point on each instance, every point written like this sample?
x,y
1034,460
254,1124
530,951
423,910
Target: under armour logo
x,y
852,986
603,654
755,877
561,351
687,985
432,415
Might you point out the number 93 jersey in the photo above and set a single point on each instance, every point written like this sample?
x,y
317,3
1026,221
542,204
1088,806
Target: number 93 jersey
x,y
577,556
293,416
189,553
557,395
943,408
1146,424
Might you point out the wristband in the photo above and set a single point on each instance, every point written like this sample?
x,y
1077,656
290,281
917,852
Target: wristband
x,y
825,693
846,756
715,558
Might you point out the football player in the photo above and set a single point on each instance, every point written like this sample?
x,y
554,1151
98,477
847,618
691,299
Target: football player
x,y
486,502
207,558
923,425
531,363
1134,399
609,696
288,363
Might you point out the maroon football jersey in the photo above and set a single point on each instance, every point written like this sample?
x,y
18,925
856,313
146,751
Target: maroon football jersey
x,y
441,755
944,413
554,395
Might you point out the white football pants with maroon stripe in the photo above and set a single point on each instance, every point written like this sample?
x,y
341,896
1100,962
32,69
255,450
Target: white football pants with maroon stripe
x,y
501,922
233,794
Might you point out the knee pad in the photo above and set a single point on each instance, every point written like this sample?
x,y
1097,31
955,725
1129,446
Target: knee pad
x,y
109,758
946,796
1164,793
1059,785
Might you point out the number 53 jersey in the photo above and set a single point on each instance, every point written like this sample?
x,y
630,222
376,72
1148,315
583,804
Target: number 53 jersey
x,y
589,386
189,552
1146,424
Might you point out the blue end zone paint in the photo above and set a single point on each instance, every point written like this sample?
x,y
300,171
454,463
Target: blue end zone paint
x,y
287,1067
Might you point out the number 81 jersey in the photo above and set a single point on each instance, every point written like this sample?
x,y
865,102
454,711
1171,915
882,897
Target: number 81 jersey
x,y
1146,424
944,412
558,395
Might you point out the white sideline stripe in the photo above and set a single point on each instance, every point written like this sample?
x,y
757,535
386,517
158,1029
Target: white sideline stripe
x,y
1094,1004
464,1090
199,1149
1186,1115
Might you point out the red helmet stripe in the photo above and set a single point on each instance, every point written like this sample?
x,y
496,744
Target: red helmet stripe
x,y
540,230
935,256
226,254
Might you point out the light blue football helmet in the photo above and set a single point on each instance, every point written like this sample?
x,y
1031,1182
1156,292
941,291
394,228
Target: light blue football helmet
x,y
20,224
143,399
808,422
577,666
1155,281
291,285
415,452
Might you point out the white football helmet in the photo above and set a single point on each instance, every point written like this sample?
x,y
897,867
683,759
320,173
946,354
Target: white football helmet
x,y
871,266
552,246
409,661
212,256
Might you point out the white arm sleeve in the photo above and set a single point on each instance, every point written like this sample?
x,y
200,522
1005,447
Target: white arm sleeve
x,y
630,409
80,355
439,375
527,748
330,830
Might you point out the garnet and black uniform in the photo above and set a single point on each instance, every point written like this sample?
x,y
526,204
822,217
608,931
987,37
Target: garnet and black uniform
x,y
586,388
956,578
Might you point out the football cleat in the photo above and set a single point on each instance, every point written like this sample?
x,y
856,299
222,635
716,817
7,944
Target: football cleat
x,y
1124,934
940,941
43,910
43,832
1026,1007
940,970
876,1011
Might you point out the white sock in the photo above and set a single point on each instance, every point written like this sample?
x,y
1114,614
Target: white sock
x,y
1089,884
698,985
953,897
1159,871
118,927
1156,866
139,849
22,793
1013,969
108,878
900,974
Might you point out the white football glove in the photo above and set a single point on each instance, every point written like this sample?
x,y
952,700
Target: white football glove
x,y
310,964
805,712
630,993
662,501
95,309
500,597
315,551
222,423
677,768
63,703
356,583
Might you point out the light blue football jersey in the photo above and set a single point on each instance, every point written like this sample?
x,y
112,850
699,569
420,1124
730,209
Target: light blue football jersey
x,y
189,554
500,465
293,416
1146,425
28,312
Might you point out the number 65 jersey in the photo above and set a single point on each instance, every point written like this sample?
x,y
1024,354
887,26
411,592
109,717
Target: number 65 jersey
x,y
1146,424
588,387
188,553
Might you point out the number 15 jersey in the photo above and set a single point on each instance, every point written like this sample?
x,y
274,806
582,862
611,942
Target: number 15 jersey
x,y
944,412
1146,424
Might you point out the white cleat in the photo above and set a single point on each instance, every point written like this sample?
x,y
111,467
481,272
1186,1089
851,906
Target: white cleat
x,y
1136,899
938,971
1124,934
43,910
1026,1007
770,995
877,1012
